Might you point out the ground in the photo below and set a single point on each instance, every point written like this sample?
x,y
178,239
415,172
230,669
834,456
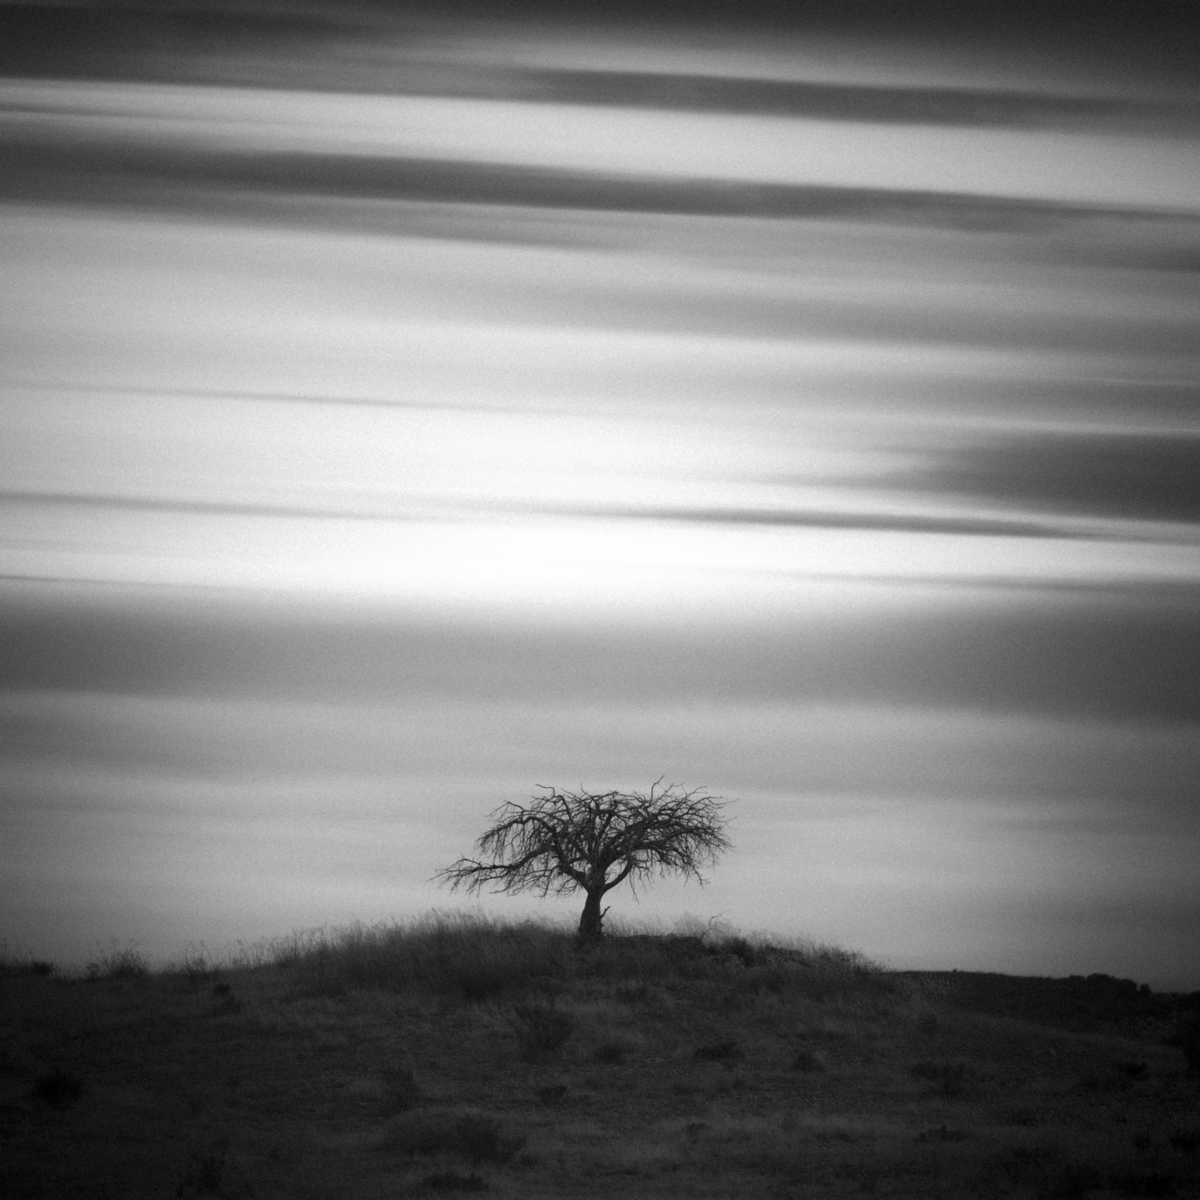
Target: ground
x,y
509,1060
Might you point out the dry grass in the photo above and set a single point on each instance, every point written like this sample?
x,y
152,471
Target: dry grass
x,y
456,1054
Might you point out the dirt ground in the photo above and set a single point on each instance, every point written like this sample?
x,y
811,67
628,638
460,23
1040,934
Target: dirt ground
x,y
267,1082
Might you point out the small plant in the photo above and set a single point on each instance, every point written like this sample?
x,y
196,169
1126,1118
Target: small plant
x,y
949,1077
473,1136
806,1060
552,1093
118,964
58,1087
726,1052
611,1052
542,1029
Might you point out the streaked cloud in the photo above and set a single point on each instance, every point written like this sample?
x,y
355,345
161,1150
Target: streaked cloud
x,y
1131,474
391,423
1105,653
381,140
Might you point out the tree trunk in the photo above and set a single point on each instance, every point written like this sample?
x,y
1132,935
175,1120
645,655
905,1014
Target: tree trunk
x,y
590,924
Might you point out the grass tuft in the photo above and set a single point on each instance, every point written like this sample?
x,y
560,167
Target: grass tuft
x,y
457,956
474,959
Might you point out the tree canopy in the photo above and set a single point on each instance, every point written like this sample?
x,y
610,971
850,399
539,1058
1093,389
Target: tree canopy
x,y
562,842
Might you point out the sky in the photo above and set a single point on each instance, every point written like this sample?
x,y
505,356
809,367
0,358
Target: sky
x,y
405,407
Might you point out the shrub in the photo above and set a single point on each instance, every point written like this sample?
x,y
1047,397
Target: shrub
x,y
542,1029
806,1060
611,1052
949,1077
728,1051
401,1089
452,1181
471,1135
118,964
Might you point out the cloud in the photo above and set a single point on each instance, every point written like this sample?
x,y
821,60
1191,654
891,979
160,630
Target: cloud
x,y
128,173
964,525
966,107
1111,654
1145,476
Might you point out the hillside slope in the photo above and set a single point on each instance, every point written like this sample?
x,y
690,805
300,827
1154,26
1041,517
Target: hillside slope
x,y
461,1056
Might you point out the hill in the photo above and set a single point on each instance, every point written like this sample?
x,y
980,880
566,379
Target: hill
x,y
1083,1003
460,1055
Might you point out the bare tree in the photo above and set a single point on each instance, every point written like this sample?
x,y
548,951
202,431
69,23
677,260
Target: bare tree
x,y
564,842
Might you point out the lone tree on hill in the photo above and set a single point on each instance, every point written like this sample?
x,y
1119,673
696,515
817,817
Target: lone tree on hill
x,y
591,841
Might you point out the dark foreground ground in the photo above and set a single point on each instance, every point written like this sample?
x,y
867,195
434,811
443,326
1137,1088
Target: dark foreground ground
x,y
460,1056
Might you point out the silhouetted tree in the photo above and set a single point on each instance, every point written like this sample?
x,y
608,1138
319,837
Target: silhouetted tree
x,y
564,842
